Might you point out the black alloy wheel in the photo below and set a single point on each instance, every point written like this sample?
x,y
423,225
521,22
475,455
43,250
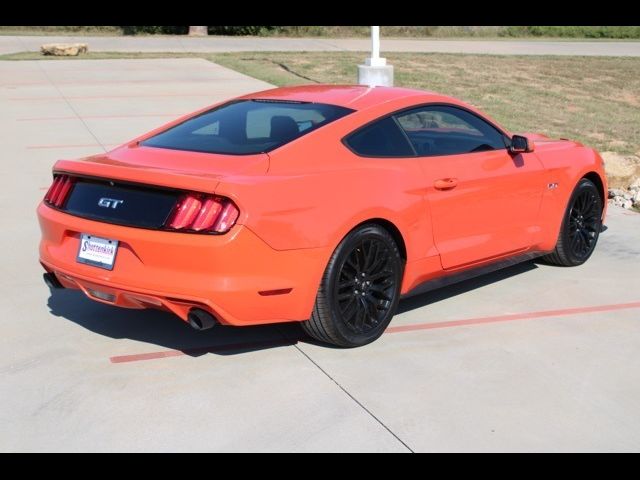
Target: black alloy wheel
x,y
366,285
584,223
360,289
581,226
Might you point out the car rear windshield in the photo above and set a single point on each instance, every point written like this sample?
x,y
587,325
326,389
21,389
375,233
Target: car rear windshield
x,y
247,127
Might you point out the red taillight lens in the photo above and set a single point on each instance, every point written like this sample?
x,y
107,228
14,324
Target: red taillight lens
x,y
64,191
203,213
186,212
208,214
53,189
227,218
59,190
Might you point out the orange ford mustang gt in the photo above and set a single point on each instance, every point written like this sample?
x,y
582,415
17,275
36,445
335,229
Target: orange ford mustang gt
x,y
320,204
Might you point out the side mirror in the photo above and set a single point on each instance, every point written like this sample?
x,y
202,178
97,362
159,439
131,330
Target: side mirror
x,y
520,144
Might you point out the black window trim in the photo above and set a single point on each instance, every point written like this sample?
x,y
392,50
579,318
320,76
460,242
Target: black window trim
x,y
345,139
406,137
140,143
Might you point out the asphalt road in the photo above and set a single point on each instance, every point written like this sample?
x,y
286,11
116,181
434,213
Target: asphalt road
x,y
533,358
9,44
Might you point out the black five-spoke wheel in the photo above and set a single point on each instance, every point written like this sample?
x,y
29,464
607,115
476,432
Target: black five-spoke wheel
x,y
360,289
580,227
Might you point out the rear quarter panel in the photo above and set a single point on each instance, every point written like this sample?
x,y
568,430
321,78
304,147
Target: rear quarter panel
x,y
317,190
318,207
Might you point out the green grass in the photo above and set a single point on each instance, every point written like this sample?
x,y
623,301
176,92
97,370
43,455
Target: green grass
x,y
595,100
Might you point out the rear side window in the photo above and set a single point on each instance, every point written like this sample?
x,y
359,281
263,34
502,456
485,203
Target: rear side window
x,y
444,130
380,139
247,127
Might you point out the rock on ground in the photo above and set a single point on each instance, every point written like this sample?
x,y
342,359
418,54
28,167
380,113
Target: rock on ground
x,y
64,49
622,171
623,177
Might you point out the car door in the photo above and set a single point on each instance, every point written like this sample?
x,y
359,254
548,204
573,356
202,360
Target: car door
x,y
484,201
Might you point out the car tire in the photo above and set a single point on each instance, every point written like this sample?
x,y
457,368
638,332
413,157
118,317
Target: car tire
x,y
581,225
359,291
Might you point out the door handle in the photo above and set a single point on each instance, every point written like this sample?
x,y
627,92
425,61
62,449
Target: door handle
x,y
445,183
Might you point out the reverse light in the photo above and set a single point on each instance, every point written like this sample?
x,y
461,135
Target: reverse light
x,y
197,212
59,190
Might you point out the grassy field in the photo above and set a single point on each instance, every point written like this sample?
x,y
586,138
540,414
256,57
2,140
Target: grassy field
x,y
592,99
334,31
481,32
59,30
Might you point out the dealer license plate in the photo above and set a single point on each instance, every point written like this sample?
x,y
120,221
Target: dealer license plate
x,y
96,251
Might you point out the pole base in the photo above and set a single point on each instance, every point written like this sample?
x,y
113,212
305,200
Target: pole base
x,y
375,76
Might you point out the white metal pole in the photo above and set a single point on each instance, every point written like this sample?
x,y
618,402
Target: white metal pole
x,y
375,60
375,44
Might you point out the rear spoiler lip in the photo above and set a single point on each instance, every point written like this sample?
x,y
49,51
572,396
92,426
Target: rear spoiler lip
x,y
156,178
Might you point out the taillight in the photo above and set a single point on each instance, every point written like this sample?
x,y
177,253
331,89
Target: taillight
x,y
59,190
207,216
185,212
197,212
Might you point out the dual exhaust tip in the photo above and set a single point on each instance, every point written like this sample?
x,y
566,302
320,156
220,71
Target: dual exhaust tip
x,y
198,319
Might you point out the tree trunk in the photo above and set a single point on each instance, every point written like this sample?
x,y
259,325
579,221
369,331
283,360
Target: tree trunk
x,y
198,31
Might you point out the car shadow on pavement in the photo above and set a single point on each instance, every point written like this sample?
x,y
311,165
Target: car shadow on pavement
x,y
165,329
169,332
433,296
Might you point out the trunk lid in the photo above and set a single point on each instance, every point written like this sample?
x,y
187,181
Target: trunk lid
x,y
165,168
141,186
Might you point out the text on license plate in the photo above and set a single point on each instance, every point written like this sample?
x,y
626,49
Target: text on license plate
x,y
96,251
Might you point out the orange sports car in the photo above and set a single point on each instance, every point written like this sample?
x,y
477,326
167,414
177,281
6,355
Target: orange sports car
x,y
320,204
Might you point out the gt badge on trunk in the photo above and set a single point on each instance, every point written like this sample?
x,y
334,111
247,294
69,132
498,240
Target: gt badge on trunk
x,y
109,202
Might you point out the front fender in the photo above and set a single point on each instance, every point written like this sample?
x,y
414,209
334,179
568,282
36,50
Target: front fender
x,y
566,164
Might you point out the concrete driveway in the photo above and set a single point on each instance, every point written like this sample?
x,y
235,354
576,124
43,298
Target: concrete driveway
x,y
533,358
180,43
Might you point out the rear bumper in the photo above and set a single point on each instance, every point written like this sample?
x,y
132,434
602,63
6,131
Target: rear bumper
x,y
233,276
